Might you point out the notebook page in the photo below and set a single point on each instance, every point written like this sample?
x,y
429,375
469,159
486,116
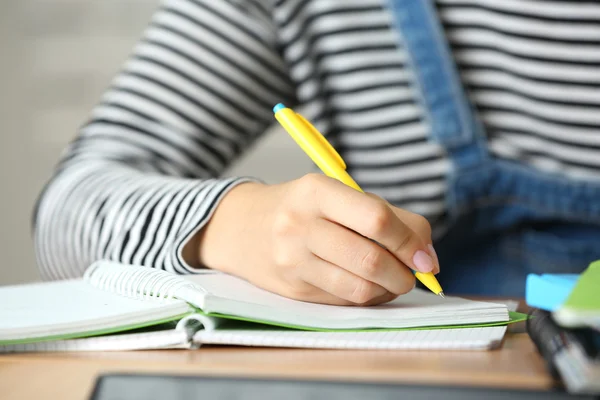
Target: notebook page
x,y
435,339
67,307
168,339
233,296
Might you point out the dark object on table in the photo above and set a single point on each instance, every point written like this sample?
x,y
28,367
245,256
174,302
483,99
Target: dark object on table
x,y
572,355
150,387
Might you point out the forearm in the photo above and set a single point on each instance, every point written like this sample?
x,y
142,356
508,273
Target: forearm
x,y
115,212
139,181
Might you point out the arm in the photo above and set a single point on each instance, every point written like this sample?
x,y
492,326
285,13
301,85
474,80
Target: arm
x,y
140,180
139,184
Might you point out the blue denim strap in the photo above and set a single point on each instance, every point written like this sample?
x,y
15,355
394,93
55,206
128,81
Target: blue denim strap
x,y
451,117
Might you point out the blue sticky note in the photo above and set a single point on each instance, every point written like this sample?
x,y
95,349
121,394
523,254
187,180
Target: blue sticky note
x,y
548,291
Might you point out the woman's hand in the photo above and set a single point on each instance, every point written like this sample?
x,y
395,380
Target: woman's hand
x,y
310,239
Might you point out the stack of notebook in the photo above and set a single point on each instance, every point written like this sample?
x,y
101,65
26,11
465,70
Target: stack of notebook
x,y
124,307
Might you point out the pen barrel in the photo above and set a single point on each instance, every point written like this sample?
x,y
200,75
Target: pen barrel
x,y
308,141
344,177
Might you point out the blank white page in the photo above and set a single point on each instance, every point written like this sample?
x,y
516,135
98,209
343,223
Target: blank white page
x,y
234,296
67,307
434,339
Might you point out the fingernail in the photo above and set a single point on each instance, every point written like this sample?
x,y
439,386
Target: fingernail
x,y
434,255
423,261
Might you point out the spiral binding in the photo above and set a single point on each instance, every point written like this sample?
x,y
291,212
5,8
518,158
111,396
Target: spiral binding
x,y
134,281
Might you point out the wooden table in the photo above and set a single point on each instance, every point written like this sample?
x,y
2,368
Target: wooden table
x,y
516,365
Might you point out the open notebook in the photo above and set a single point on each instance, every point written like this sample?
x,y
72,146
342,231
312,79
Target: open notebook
x,y
116,306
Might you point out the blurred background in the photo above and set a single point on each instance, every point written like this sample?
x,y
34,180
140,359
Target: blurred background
x,y
57,57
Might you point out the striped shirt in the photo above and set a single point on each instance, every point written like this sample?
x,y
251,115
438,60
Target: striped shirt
x,y
142,176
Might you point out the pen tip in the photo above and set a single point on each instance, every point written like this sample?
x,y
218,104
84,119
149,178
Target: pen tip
x,y
441,294
278,107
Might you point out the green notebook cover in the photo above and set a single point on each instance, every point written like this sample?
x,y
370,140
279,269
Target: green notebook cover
x,y
513,318
99,332
512,315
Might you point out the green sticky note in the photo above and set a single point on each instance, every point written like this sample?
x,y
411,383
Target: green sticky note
x,y
582,306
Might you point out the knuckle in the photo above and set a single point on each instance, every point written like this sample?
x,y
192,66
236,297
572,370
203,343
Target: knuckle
x,y
282,257
284,223
423,225
380,219
371,262
308,184
300,291
362,292
287,258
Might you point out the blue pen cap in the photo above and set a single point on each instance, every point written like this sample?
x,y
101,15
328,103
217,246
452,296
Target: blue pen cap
x,y
278,107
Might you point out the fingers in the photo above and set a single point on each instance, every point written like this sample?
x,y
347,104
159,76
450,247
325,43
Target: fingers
x,y
421,227
313,294
374,219
359,255
381,299
320,296
341,283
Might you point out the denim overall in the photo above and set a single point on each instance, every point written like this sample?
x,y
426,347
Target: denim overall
x,y
506,219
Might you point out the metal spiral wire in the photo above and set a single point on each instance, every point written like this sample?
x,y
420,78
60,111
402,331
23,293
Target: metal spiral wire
x,y
134,281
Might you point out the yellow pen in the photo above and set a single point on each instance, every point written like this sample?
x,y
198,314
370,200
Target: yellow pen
x,y
331,163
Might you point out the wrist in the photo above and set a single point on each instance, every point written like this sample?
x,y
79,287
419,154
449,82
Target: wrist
x,y
222,241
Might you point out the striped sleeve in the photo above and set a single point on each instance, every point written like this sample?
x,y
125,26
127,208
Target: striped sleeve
x,y
142,175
